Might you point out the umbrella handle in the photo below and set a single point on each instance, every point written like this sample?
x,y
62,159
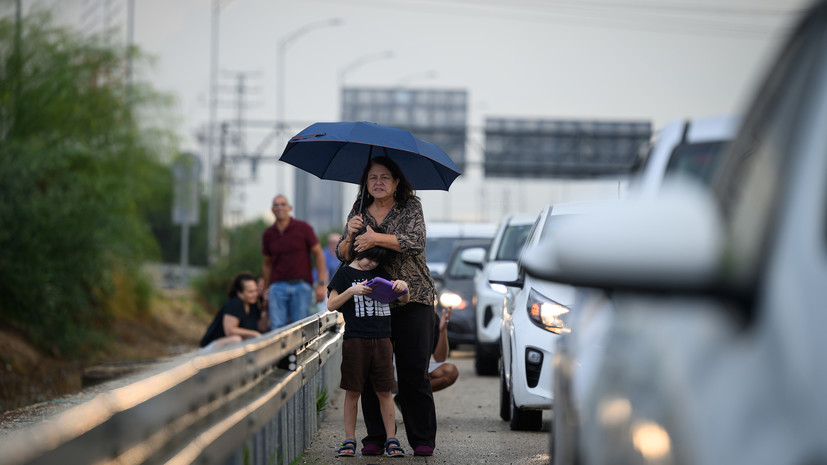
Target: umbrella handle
x,y
362,196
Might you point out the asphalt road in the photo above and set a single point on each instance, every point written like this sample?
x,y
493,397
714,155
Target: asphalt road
x,y
470,430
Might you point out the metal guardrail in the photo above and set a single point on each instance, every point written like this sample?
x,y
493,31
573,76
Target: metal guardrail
x,y
253,404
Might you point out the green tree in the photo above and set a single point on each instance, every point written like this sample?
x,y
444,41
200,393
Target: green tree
x,y
244,254
75,165
157,212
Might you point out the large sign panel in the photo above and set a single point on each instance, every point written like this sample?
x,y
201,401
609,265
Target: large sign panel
x,y
528,148
438,116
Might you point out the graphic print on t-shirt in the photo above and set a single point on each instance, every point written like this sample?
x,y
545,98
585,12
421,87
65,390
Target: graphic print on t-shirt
x,y
367,307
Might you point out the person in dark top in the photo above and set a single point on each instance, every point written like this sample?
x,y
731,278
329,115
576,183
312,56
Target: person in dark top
x,y
239,318
367,351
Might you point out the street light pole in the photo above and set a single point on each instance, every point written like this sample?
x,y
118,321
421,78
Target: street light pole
x,y
361,61
213,227
281,49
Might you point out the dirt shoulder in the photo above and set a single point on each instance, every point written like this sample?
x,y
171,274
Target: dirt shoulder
x,y
33,384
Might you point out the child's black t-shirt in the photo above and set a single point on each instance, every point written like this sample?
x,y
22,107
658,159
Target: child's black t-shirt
x,y
364,317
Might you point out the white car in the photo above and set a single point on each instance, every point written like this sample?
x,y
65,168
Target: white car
x,y
488,298
689,147
534,312
716,354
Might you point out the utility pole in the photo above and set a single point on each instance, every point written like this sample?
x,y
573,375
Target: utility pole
x,y
18,59
221,177
240,103
130,40
213,225
229,208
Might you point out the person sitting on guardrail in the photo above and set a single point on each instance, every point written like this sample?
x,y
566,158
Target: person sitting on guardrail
x,y
367,350
239,318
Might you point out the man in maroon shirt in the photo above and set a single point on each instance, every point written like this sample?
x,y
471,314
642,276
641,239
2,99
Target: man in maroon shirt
x,y
287,269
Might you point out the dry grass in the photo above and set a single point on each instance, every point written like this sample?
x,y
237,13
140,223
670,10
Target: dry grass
x,y
173,326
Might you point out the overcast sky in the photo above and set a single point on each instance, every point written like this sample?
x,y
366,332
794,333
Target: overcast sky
x,y
653,60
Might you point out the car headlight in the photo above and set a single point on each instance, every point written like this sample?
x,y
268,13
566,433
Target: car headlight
x,y
452,300
546,313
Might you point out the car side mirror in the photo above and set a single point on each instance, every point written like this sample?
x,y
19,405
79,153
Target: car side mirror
x,y
673,242
474,256
505,273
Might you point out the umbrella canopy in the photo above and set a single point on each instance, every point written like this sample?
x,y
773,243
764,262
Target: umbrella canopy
x,y
340,152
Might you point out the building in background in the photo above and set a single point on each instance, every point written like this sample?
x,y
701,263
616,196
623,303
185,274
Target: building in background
x,y
439,116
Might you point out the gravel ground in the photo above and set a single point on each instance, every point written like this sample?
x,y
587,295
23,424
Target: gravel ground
x,y
470,430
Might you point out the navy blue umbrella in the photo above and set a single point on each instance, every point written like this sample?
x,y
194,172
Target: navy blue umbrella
x,y
340,152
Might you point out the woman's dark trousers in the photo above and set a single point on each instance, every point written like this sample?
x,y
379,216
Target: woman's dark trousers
x,y
413,339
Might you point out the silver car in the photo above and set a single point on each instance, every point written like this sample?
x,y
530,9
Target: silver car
x,y
690,147
716,353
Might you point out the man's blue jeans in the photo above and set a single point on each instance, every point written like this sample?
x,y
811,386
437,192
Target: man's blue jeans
x,y
289,303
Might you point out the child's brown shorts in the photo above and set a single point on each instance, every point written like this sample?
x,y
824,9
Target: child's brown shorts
x,y
367,359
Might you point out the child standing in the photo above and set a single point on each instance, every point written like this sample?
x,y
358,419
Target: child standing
x,y
367,350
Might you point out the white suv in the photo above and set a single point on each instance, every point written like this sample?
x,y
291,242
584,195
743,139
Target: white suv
x,y
534,314
488,298
689,147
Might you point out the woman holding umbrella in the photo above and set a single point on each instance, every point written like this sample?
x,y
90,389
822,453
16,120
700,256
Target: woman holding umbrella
x,y
388,200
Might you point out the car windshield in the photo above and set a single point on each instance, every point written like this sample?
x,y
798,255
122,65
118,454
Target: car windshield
x,y
552,222
458,269
438,249
696,160
512,243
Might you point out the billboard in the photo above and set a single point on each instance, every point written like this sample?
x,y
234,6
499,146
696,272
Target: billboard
x,y
438,116
539,148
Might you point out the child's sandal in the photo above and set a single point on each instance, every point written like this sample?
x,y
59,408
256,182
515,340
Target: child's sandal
x,y
348,448
393,449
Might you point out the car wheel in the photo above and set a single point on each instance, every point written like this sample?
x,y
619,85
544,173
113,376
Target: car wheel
x,y
505,397
485,360
525,420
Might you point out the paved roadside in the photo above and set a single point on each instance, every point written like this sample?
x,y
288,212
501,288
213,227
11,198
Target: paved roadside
x,y
470,429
